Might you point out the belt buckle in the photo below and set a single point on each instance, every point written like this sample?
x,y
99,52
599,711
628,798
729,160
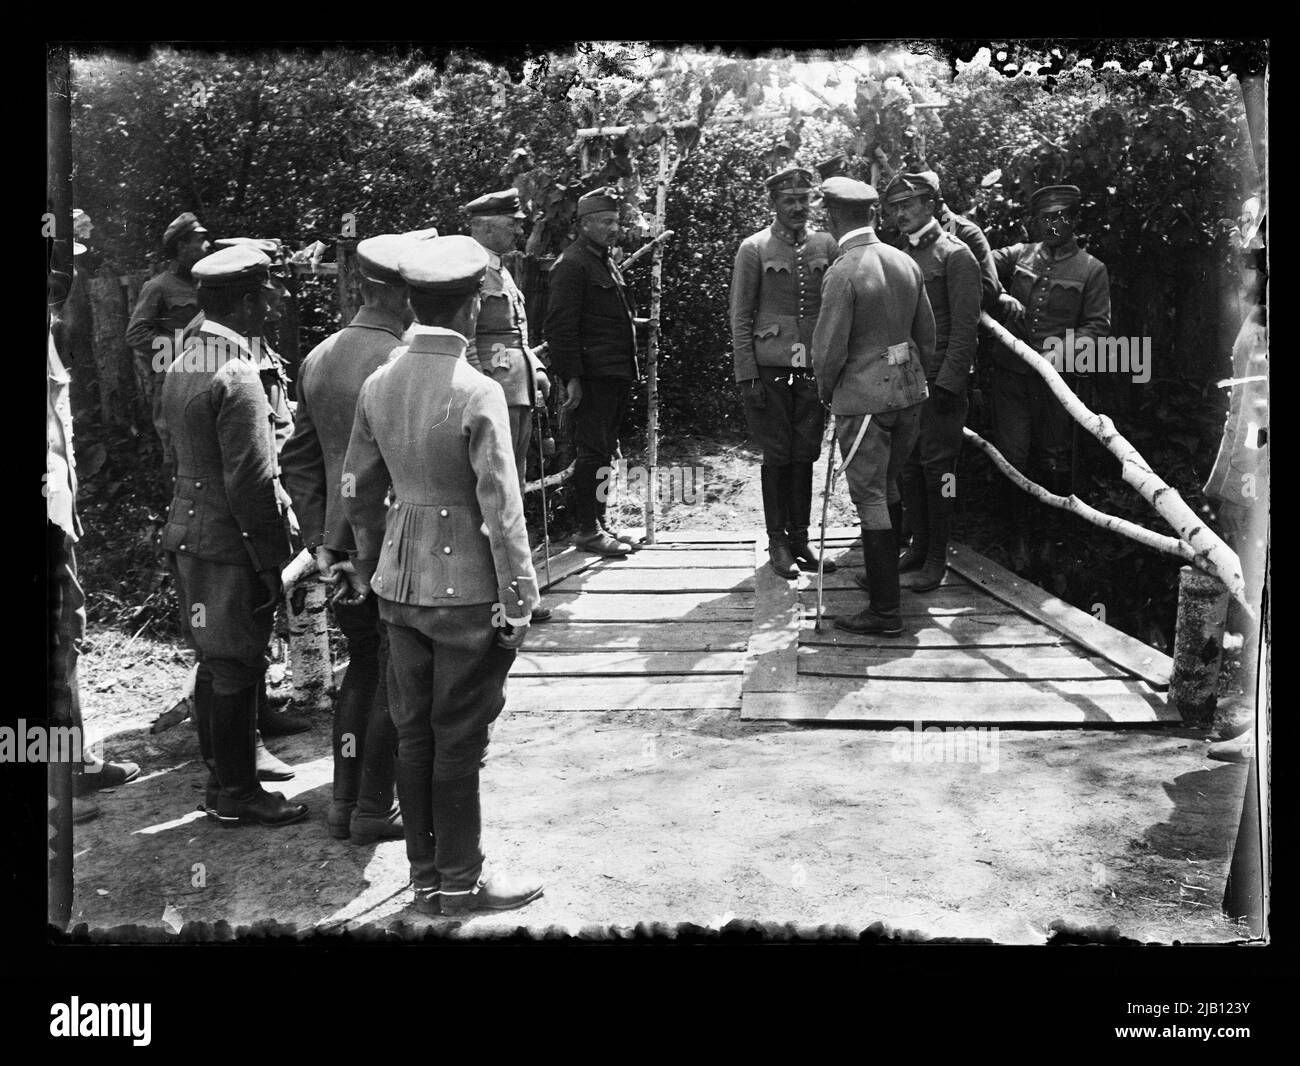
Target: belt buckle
x,y
899,354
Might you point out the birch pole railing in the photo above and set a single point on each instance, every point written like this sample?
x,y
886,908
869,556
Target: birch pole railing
x,y
1196,542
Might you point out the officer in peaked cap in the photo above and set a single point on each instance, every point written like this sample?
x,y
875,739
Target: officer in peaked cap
x,y
168,303
450,564
499,347
591,331
776,288
275,381
973,237
1052,286
329,384
226,532
952,284
874,337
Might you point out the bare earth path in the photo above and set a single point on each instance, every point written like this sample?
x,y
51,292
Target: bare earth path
x,y
691,817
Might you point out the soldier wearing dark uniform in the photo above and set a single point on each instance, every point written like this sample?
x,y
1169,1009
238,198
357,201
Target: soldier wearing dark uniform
x,y
499,347
226,529
952,285
592,336
365,740
1051,285
874,338
275,378
450,563
168,302
775,296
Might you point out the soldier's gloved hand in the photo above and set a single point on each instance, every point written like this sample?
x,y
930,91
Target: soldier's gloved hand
x,y
945,402
270,580
755,394
512,635
1011,310
543,386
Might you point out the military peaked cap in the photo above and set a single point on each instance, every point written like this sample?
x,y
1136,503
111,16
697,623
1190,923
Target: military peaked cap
x,y
905,186
606,199
379,258
841,190
446,266
181,226
505,202
237,267
792,179
1055,197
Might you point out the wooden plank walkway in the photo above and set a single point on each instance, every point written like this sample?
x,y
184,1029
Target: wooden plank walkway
x,y
698,620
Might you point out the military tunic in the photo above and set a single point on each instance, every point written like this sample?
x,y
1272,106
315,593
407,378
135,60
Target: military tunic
x,y
449,559
1065,289
167,304
500,350
227,519
952,285
874,335
775,298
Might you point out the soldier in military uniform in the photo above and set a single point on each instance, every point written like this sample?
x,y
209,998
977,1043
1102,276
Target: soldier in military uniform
x,y
952,285
226,528
499,348
592,336
1051,285
874,338
450,563
365,740
775,296
167,304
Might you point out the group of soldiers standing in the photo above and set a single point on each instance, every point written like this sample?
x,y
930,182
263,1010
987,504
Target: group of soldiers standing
x,y
885,337
402,467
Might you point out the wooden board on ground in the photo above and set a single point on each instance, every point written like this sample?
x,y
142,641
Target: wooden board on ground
x,y
619,636
563,564
656,582
623,694
689,557
951,664
659,607
942,631
1127,652
1044,704
775,637
531,662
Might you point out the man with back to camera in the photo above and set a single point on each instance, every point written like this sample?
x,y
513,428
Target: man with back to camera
x,y
874,335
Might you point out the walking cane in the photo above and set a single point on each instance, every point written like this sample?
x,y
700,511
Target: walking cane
x,y
541,470
826,499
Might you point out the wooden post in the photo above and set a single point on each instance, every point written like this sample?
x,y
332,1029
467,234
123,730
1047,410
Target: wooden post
x,y
309,643
349,281
1198,645
652,347
108,340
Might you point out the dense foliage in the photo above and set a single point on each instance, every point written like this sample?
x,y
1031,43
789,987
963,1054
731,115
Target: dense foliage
x,y
294,145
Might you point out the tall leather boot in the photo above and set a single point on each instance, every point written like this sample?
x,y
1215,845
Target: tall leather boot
x,y
348,736
242,801
800,518
775,511
939,515
457,825
376,816
415,792
881,615
202,712
915,506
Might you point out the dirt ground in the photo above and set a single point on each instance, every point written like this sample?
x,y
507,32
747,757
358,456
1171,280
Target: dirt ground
x,y
655,819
